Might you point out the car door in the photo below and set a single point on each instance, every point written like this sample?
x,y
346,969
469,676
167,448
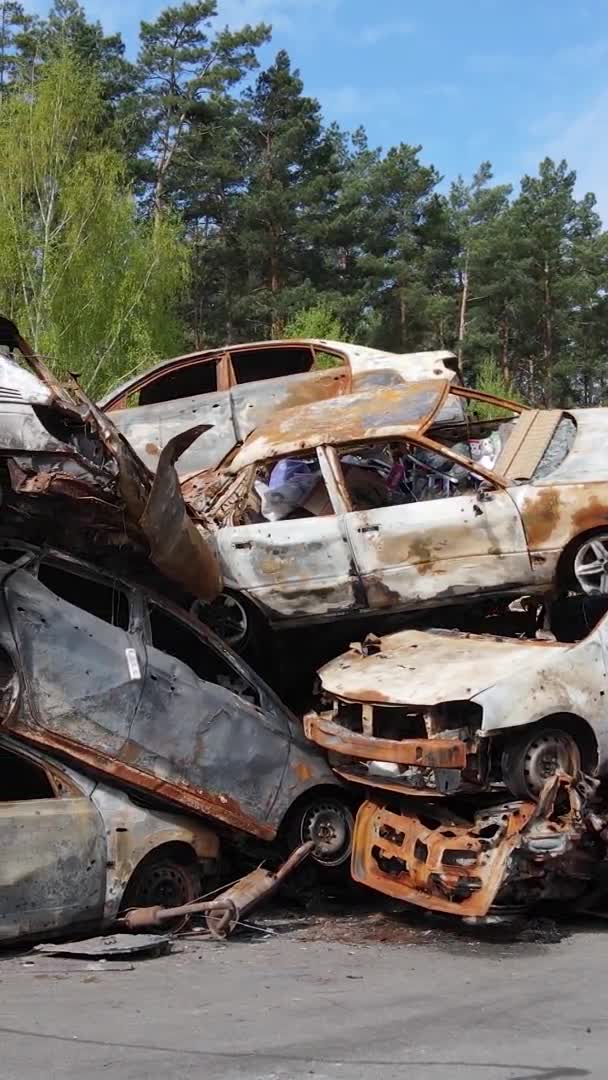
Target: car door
x,y
78,660
149,427
200,726
53,865
297,568
441,549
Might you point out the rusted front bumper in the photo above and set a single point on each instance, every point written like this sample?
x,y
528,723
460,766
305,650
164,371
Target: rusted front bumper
x,y
451,868
421,852
352,753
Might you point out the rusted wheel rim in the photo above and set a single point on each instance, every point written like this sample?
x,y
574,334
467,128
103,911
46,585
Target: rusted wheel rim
x,y
550,752
330,825
165,883
591,566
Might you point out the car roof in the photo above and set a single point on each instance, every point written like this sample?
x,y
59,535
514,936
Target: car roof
x,y
352,354
390,413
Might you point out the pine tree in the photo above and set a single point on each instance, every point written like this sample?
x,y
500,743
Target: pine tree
x,y
184,66
290,183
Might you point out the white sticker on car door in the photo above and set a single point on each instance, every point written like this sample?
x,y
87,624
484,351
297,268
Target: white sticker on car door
x,y
133,664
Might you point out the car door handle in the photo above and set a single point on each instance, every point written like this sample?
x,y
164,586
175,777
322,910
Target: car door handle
x,y
369,528
244,545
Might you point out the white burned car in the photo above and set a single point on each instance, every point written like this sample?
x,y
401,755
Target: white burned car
x,y
76,851
238,387
443,712
394,503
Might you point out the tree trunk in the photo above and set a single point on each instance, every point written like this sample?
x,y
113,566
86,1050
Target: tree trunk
x,y
547,337
462,320
162,166
402,318
504,349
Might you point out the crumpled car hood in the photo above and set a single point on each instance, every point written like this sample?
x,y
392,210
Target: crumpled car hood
x,y
71,470
420,668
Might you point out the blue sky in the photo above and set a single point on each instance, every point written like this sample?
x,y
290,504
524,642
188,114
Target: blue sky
x,y
504,80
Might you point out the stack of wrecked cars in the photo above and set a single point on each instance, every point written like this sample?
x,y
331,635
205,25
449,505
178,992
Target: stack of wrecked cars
x,y
153,547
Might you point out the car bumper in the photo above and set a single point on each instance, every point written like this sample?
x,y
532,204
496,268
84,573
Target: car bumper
x,y
438,766
449,868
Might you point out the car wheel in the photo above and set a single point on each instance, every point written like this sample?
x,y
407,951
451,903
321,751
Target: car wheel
x,y
235,621
590,565
531,759
161,879
328,820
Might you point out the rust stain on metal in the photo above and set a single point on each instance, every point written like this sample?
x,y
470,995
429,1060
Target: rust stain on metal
x,y
541,513
220,807
424,753
302,771
445,864
305,392
592,514
152,448
452,868
392,413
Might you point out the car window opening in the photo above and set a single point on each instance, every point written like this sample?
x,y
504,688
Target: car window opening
x,y
558,448
104,601
21,780
174,638
254,365
375,475
187,381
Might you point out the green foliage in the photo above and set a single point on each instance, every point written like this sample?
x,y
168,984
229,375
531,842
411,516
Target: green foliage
x,y
189,199
91,284
491,380
319,321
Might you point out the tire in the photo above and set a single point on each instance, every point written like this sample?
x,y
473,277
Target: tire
x,y
532,757
163,879
327,818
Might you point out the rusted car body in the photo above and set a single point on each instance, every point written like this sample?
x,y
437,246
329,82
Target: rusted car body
x,y
123,683
67,475
532,518
236,388
495,859
74,848
445,712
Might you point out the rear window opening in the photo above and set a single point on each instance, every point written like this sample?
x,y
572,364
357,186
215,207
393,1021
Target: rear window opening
x,y
254,365
105,602
558,449
21,780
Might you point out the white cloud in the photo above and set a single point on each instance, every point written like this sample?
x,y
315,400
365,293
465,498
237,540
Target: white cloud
x,y
355,100
582,141
282,14
376,32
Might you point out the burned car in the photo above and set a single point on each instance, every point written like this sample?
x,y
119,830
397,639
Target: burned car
x,y
75,851
124,684
497,860
68,476
446,712
368,505
235,388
